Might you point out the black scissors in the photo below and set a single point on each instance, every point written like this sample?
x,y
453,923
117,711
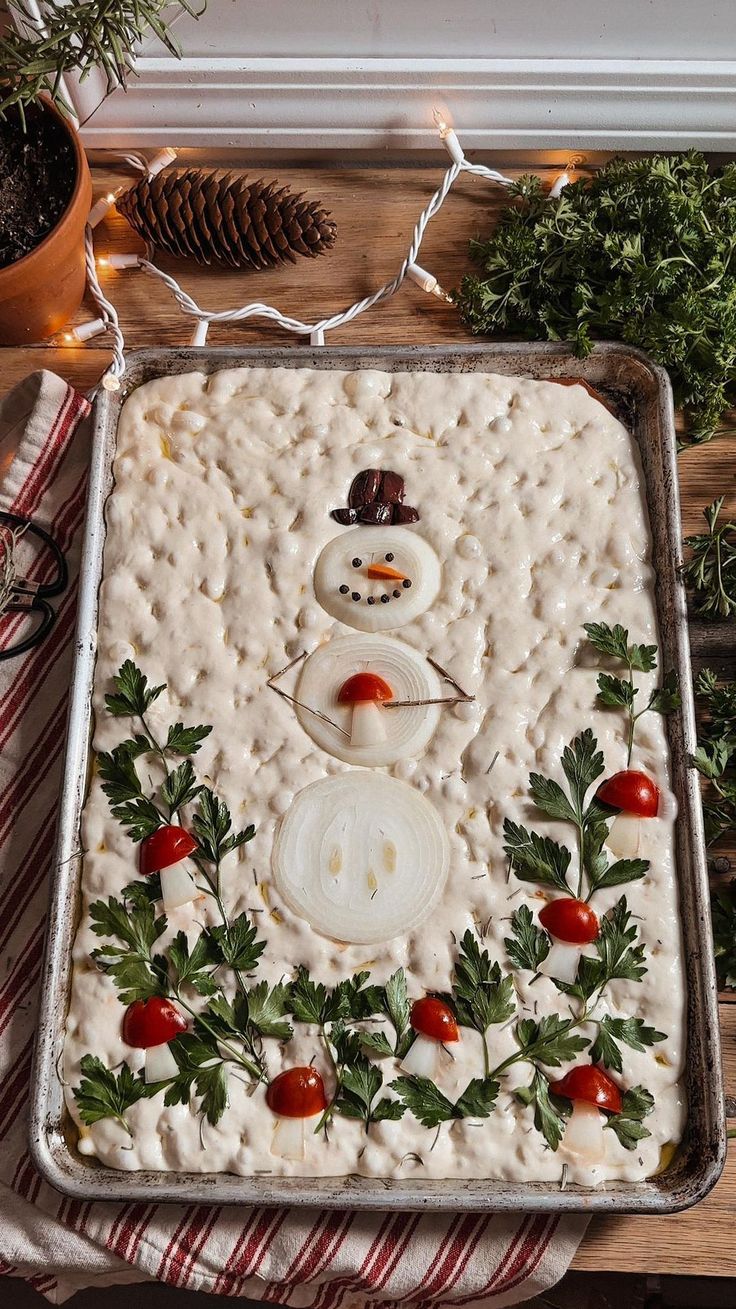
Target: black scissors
x,y
29,597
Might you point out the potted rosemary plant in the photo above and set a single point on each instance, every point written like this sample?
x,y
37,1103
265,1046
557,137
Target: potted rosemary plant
x,y
45,186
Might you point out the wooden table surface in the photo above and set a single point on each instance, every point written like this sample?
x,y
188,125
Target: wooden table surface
x,y
376,209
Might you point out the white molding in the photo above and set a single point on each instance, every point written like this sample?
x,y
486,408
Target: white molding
x,y
379,104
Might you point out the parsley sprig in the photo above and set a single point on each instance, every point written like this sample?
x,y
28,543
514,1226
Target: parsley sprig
x,y
620,693
540,859
711,569
641,252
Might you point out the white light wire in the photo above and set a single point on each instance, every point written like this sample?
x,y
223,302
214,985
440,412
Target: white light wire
x,y
315,331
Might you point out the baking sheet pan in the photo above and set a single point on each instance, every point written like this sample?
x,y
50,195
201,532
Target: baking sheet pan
x,y
640,393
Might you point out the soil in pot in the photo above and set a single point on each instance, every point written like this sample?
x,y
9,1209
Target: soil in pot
x,y
37,177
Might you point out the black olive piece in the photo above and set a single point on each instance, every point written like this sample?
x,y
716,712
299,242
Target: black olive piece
x,y
357,563
364,488
344,590
392,487
385,599
406,583
345,517
378,512
404,514
356,595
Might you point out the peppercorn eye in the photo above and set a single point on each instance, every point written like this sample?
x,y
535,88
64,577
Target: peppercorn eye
x,y
357,563
389,558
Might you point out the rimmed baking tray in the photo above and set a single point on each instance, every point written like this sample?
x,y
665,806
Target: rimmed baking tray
x,y
640,393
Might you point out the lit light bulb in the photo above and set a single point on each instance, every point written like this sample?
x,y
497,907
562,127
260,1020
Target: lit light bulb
x,y
118,261
103,206
448,137
110,382
565,177
428,282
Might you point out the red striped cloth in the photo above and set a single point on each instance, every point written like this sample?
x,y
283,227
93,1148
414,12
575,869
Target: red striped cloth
x,y
317,1258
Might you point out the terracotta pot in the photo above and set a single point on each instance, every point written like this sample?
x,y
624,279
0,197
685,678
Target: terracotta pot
x,y
41,291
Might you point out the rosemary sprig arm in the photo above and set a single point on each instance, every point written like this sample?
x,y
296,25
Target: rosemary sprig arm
x,y
78,38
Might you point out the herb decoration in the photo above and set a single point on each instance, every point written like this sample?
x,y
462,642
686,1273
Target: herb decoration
x,y
357,1023
711,571
620,693
641,252
715,760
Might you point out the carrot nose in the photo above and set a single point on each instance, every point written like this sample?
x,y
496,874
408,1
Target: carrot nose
x,y
386,572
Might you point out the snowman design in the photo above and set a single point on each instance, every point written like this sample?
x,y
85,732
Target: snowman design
x,y
363,856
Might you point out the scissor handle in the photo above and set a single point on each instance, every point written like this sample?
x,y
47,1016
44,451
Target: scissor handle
x,y
45,588
42,628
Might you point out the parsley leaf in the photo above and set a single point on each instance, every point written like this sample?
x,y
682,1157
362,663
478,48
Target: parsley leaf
x,y
536,858
723,905
618,873
237,944
431,1107
266,1008
137,973
614,692
133,695
212,827
202,1071
180,787
552,1040
529,945
356,1098
667,697
122,787
628,1125
185,740
582,763
482,996
194,967
105,1094
550,1110
632,1031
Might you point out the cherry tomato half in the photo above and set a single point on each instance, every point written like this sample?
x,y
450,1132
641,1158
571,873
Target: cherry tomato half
x,y
164,847
591,1084
570,920
152,1022
364,687
297,1093
631,791
432,1017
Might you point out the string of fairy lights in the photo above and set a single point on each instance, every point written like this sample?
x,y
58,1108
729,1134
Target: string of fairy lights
x,y
107,321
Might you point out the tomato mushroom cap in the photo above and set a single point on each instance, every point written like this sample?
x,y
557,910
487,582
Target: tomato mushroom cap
x,y
631,791
297,1093
432,1017
364,688
155,1021
164,847
570,920
590,1084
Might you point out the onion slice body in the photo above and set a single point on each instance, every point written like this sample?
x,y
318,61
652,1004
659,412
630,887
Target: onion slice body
x,y
177,886
561,962
160,1064
421,1058
406,731
584,1138
362,857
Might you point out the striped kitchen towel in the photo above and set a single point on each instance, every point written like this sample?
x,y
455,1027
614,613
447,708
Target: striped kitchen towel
x,y
316,1258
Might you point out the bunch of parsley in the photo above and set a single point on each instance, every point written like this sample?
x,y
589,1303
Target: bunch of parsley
x,y
643,252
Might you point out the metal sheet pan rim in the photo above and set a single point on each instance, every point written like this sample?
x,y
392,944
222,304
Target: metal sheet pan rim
x,y
613,367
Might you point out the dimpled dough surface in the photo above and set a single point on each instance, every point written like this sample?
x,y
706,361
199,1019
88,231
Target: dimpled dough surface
x,y
531,495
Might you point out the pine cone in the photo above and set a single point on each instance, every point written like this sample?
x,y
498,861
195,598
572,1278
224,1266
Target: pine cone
x,y
225,218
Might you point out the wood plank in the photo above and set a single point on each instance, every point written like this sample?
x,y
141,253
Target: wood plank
x,y
376,209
